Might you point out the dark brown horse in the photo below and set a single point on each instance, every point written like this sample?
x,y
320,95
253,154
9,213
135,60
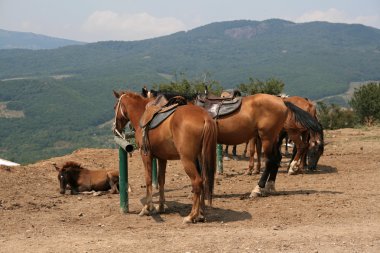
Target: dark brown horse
x,y
80,179
189,134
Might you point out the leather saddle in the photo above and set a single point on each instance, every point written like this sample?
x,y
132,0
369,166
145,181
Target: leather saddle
x,y
218,106
155,113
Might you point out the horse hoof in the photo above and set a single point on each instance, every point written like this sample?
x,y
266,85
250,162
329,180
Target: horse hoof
x,y
292,172
161,208
144,212
200,218
226,158
256,172
257,192
235,158
269,187
248,172
188,220
148,210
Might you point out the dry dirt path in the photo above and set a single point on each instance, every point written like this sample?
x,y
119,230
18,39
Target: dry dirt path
x,y
335,209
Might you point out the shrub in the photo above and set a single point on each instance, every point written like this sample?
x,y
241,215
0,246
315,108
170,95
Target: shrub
x,y
366,103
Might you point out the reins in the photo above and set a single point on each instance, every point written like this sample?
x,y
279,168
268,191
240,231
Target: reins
x,y
118,107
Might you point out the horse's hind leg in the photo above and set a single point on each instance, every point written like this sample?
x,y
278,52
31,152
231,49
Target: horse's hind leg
x,y
225,154
252,146
196,182
148,207
113,182
234,155
161,184
244,155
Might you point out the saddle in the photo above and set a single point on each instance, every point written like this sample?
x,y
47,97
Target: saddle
x,y
217,106
155,113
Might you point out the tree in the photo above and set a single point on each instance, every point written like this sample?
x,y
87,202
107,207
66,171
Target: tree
x,y
192,87
334,117
366,103
271,86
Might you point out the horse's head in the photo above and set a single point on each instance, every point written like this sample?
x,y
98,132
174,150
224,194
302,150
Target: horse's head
x,y
121,118
62,178
148,93
316,147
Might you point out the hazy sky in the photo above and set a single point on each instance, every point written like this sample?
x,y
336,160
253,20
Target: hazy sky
x,y
95,20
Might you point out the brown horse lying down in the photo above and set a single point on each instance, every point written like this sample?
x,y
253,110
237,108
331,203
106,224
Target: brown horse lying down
x,y
80,179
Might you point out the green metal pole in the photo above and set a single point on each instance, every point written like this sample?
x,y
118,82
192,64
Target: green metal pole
x,y
219,155
123,180
154,173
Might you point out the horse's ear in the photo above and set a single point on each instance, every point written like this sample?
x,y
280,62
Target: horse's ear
x,y
144,92
117,95
56,167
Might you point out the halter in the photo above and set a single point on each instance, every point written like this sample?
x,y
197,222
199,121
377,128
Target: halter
x,y
118,107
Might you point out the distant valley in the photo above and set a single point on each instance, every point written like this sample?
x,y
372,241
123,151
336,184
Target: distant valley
x,y
65,93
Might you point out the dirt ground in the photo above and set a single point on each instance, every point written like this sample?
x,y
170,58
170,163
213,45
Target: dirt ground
x,y
335,209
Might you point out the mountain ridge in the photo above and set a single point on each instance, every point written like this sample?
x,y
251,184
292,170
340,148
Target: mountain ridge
x,y
29,40
65,93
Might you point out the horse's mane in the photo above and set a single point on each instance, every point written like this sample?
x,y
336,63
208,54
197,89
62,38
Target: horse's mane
x,y
171,94
131,94
73,165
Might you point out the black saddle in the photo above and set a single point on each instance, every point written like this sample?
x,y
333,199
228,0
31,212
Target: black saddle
x,y
217,106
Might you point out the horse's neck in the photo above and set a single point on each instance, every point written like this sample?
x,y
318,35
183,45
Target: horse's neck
x,y
74,176
136,111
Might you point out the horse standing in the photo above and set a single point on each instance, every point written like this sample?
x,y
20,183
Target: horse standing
x,y
307,137
189,134
81,179
260,118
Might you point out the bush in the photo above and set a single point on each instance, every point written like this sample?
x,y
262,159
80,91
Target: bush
x,y
366,103
334,117
271,86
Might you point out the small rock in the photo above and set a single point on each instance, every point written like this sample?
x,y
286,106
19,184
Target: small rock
x,y
79,198
80,215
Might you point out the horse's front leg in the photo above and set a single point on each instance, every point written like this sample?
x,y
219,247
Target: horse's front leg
x,y
305,140
148,207
294,165
161,183
267,179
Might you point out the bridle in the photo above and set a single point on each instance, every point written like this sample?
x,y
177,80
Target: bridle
x,y
118,107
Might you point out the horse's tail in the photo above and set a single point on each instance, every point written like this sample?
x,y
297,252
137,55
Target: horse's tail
x,y
305,119
209,158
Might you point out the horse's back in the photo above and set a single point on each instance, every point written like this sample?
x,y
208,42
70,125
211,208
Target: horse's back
x,y
181,130
94,180
304,104
265,107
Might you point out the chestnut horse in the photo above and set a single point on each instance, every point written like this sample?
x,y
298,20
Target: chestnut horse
x,y
307,142
189,134
231,93
80,179
262,116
